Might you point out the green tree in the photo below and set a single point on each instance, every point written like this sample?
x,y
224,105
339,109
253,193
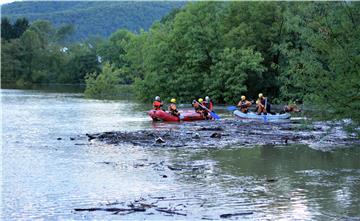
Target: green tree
x,y
323,70
82,60
6,29
20,26
230,72
9,31
103,85
113,50
11,61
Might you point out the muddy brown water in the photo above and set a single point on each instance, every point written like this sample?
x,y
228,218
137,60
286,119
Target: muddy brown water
x,y
50,169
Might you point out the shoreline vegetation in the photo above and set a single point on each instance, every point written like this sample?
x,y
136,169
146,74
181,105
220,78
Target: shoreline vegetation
x,y
300,51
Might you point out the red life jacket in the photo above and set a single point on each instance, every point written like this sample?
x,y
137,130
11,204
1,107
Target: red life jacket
x,y
208,105
157,105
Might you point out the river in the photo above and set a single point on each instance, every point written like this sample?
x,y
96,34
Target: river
x,y
49,168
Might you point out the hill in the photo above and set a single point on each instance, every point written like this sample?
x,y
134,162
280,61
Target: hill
x,y
92,18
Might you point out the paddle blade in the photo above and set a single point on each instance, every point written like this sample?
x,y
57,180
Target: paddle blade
x,y
265,118
215,116
231,108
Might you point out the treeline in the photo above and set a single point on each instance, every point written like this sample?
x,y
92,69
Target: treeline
x,y
298,51
92,18
36,53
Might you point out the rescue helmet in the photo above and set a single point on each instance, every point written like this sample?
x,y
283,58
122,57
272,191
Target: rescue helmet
x,y
173,100
200,100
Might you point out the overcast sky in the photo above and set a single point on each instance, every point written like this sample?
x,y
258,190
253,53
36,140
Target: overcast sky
x,y
5,1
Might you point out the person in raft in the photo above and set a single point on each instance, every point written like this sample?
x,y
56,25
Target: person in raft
x,y
157,104
262,105
172,108
208,103
196,105
292,107
244,104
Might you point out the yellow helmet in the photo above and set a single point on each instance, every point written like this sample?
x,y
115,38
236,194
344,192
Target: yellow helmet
x,y
261,95
173,100
243,97
200,100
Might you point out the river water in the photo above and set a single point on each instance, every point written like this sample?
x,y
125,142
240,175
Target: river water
x,y
49,168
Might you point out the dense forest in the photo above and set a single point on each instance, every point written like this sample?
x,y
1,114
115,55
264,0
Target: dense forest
x,y
37,53
305,51
91,18
301,51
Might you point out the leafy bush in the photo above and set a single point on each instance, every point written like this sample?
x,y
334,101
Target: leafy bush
x,y
103,85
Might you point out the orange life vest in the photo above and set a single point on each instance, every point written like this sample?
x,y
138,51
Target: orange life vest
x,y
157,105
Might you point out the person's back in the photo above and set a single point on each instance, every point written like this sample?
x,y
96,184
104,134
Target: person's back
x,y
157,104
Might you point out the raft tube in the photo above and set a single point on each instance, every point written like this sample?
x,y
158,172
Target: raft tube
x,y
160,115
255,116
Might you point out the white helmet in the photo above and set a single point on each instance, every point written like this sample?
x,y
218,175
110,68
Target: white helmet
x,y
157,98
207,99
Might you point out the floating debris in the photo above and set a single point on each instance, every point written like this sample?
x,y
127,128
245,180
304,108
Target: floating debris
x,y
230,132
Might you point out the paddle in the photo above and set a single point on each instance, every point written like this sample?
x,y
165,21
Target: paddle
x,y
265,116
215,116
231,108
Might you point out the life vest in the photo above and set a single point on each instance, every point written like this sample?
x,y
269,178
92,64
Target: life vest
x,y
261,101
197,107
172,107
157,105
243,104
208,105
173,110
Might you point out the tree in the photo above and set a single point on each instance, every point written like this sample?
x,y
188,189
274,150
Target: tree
x,y
113,51
19,27
103,85
230,72
82,60
324,69
9,31
6,29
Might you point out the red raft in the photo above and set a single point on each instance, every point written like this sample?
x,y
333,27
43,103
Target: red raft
x,y
189,115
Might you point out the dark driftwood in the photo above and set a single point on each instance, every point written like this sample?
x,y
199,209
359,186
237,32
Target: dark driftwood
x,y
170,212
113,209
228,215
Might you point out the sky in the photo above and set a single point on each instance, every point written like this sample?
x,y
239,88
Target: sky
x,y
5,1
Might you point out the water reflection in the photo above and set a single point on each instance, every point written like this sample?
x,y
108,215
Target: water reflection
x,y
287,182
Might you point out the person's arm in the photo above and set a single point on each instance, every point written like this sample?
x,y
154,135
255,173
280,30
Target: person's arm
x,y
259,104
